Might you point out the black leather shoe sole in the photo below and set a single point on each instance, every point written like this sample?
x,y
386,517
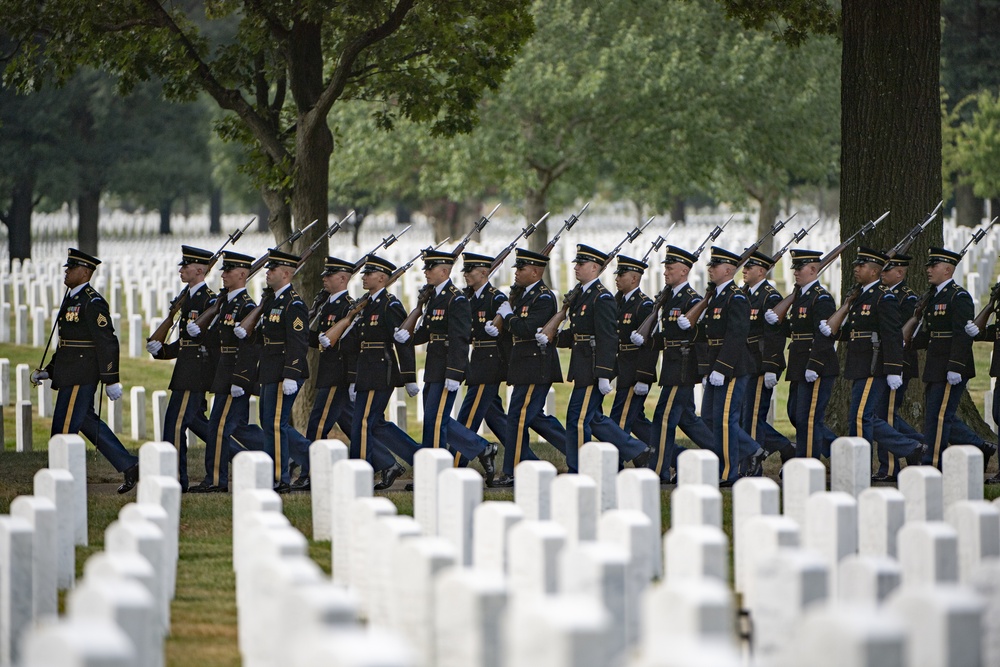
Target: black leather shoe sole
x,y
502,482
282,487
389,476
131,479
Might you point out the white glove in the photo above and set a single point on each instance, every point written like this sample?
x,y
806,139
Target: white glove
x,y
154,346
541,338
825,329
504,310
717,379
352,392
193,330
811,375
289,386
412,389
971,329
641,388
683,322
770,316
236,391
239,332
114,391
451,385
636,338
894,381
604,386
324,340
770,380
491,330
954,378
38,376
401,336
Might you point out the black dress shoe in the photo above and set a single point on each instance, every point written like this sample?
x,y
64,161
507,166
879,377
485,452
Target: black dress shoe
x,y
988,452
726,483
916,457
642,460
787,453
488,460
883,479
995,479
504,481
301,484
218,489
204,487
282,487
131,479
755,464
408,486
389,476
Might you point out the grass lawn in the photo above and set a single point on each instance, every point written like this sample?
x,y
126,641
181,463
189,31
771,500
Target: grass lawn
x,y
204,611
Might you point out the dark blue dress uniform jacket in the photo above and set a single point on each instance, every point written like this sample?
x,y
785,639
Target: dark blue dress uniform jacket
x,y
237,358
634,364
195,367
283,338
378,368
874,312
725,326
488,362
88,347
907,304
592,334
338,363
810,349
446,328
680,358
942,334
529,362
766,342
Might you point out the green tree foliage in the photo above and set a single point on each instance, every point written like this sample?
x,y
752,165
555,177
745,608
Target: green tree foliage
x,y
974,149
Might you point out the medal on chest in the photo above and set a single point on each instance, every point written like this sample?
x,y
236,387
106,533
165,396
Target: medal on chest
x,y
275,315
940,308
72,314
673,314
866,309
627,318
803,312
753,314
481,315
437,314
717,313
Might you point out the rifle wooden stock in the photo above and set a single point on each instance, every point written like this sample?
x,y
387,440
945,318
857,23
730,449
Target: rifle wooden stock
x,y
694,314
163,330
912,325
983,317
646,328
423,296
836,320
781,308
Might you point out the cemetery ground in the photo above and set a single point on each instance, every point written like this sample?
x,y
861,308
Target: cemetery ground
x,y
203,627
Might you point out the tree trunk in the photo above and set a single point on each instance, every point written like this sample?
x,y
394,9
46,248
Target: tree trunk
x,y
19,219
968,207
770,209
215,211
534,208
263,217
677,210
88,206
166,207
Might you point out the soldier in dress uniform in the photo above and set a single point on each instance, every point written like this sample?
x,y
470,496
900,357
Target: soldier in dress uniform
x,y
234,378
383,364
725,326
194,368
812,360
446,327
634,375
766,350
872,332
282,339
949,364
992,334
592,335
533,367
87,354
679,371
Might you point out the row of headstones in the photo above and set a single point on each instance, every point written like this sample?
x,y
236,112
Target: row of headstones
x,y
779,580
119,613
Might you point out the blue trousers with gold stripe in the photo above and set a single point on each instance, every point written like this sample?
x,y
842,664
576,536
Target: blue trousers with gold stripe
x,y
370,431
74,413
806,409
185,410
720,409
332,405
753,418
585,419
628,411
279,434
527,410
482,402
940,406
229,432
674,409
866,421
440,430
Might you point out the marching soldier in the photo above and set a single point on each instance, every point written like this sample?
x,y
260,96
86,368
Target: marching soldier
x,y
533,366
766,356
873,334
679,371
725,327
949,364
593,338
87,354
383,364
193,371
992,333
812,360
634,376
282,339
446,328
232,384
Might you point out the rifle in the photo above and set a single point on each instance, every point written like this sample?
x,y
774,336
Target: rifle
x,y
796,237
694,314
515,291
295,236
340,327
781,309
837,319
658,243
647,325
525,233
912,326
161,332
315,311
551,328
476,228
331,230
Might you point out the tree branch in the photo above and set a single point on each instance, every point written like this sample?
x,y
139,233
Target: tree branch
x,y
278,30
